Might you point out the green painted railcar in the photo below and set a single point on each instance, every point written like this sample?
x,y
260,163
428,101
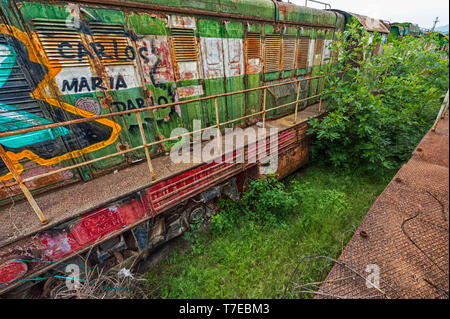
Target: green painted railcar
x,y
399,30
71,60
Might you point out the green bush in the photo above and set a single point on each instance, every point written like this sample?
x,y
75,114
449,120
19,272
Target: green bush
x,y
382,105
252,260
265,202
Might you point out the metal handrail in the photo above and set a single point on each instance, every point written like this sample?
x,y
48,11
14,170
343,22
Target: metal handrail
x,y
319,2
21,182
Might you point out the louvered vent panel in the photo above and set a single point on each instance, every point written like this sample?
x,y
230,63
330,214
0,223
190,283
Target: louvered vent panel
x,y
184,45
318,49
253,45
302,52
272,53
51,34
289,43
15,101
107,34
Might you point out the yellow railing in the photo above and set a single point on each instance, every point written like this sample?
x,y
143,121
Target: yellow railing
x,y
145,145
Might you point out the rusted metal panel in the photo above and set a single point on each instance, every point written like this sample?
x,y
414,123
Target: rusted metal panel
x,y
370,24
272,54
190,91
233,57
318,51
53,35
253,53
302,52
326,51
288,52
212,54
290,12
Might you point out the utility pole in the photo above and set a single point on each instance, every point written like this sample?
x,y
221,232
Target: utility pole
x,y
435,22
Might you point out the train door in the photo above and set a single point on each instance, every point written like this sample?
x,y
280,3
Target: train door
x,y
212,52
77,88
302,66
155,58
234,69
187,64
272,59
115,59
65,47
316,61
280,46
253,69
287,69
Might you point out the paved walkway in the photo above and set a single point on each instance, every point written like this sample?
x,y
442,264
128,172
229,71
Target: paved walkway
x,y
405,233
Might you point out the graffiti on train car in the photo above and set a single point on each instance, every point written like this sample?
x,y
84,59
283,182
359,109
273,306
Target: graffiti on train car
x,y
128,53
81,84
43,147
121,67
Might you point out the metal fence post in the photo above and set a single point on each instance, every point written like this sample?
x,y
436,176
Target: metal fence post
x,y
147,153
219,140
264,107
321,92
296,104
25,190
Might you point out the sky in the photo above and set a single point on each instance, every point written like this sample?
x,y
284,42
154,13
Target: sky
x,y
419,12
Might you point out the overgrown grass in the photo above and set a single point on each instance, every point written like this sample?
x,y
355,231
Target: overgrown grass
x,y
255,260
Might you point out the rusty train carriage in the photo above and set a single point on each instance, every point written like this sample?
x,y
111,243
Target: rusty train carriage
x,y
90,87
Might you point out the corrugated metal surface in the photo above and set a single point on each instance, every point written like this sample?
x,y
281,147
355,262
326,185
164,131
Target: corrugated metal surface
x,y
302,52
370,24
272,53
54,35
113,41
289,50
253,45
14,92
184,45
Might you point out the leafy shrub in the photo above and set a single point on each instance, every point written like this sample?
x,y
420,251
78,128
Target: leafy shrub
x,y
382,105
265,202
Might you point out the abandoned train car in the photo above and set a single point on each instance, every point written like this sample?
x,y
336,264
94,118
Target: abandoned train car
x,y
90,92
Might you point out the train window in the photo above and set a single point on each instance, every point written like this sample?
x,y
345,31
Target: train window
x,y
289,47
272,53
60,43
253,45
318,49
302,52
111,43
184,45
